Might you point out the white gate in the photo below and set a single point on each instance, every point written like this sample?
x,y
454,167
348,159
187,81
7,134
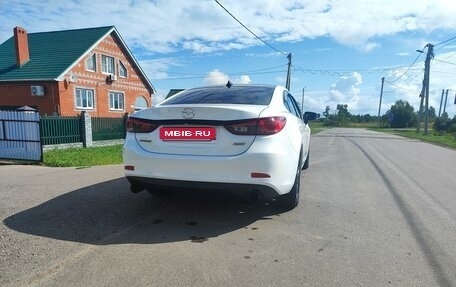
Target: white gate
x,y
20,136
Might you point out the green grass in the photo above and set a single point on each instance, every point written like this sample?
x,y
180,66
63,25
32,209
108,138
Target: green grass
x,y
362,125
83,157
444,139
317,127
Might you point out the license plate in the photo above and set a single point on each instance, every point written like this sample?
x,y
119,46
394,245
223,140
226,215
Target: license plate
x,y
187,133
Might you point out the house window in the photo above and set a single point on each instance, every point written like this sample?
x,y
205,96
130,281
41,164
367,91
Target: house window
x,y
84,98
107,64
140,103
122,70
91,63
116,101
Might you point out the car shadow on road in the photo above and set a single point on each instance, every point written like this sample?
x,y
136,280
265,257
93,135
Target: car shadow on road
x,y
107,213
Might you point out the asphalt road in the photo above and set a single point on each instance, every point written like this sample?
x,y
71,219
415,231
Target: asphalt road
x,y
376,210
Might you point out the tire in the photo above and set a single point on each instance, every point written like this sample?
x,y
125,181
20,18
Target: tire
x,y
306,163
291,199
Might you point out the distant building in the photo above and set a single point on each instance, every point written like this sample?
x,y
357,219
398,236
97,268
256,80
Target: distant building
x,y
172,92
66,72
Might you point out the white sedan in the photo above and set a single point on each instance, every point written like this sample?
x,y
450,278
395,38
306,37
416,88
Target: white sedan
x,y
245,138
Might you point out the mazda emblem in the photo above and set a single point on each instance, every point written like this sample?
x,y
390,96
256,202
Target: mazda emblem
x,y
188,113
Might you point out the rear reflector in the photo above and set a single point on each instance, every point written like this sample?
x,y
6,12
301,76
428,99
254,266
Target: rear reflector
x,y
259,175
129,167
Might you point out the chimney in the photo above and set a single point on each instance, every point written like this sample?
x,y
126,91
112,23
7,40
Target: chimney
x,y
22,50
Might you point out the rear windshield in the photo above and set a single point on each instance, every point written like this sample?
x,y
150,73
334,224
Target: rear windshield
x,y
242,95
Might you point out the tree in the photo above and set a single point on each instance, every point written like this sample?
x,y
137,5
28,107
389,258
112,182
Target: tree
x,y
326,112
402,115
342,112
432,114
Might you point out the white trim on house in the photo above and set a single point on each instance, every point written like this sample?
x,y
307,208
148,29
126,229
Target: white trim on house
x,y
61,77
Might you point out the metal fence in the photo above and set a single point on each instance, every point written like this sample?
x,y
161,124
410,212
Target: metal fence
x,y
20,136
58,130
24,133
61,130
108,128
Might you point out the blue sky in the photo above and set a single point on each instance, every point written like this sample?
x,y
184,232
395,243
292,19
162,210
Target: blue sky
x,y
340,48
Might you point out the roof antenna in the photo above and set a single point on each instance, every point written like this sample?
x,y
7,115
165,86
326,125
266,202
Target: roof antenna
x,y
229,84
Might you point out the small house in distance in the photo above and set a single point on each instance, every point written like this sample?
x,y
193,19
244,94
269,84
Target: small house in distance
x,y
172,92
70,71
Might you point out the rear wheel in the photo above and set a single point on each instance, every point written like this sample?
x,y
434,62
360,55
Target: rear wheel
x,y
291,199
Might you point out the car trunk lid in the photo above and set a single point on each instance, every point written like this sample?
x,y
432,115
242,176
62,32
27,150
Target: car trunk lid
x,y
197,130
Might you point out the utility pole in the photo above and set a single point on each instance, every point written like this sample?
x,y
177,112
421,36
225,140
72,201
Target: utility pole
x,y
380,103
427,68
420,111
441,100
446,98
287,85
302,100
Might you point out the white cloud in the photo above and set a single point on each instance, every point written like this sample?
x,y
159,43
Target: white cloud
x,y
216,77
367,47
244,79
346,90
202,26
157,69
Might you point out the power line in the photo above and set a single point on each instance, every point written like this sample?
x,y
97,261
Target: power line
x,y
267,44
402,88
408,69
341,73
442,72
235,73
441,47
200,76
413,78
444,62
451,39
257,70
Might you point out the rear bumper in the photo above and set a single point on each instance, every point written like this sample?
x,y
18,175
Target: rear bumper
x,y
216,172
237,188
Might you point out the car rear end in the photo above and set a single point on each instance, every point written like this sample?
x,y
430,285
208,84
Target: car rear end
x,y
219,137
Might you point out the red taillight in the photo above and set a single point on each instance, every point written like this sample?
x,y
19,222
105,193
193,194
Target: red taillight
x,y
136,125
261,126
271,125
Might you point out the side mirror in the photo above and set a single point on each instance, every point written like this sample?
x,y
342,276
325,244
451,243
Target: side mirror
x,y
310,116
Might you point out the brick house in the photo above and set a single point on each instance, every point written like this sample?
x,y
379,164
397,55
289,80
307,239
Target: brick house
x,y
67,72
